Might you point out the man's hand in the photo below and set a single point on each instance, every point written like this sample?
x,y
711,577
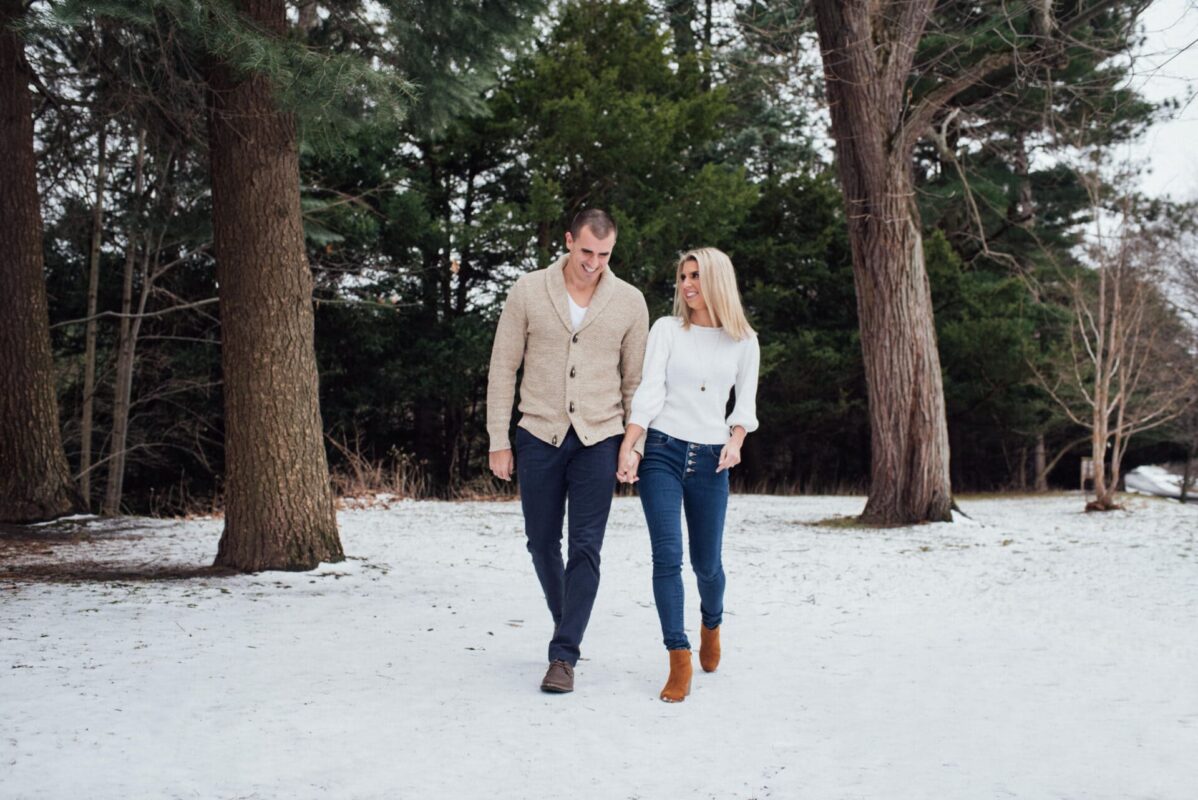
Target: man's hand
x,y
627,463
502,464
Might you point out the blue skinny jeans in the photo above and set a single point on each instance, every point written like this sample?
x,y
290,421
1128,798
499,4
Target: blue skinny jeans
x,y
677,476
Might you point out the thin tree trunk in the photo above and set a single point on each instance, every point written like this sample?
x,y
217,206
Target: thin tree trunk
x,y
1104,362
1041,467
1098,460
123,394
130,329
465,271
1186,475
1021,475
35,480
708,53
308,17
123,384
278,500
1119,442
1021,210
93,287
681,18
909,472
707,26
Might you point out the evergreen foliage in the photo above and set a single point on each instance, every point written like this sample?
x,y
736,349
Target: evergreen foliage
x,y
444,154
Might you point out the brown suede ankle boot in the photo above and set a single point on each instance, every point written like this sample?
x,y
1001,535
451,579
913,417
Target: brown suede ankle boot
x,y
679,684
709,647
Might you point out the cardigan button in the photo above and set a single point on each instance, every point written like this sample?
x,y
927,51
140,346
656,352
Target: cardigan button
x,y
554,440
571,406
571,372
575,339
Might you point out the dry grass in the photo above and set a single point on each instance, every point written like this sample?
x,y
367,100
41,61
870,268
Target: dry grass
x,y
401,476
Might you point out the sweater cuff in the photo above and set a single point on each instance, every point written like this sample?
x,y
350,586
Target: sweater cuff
x,y
749,425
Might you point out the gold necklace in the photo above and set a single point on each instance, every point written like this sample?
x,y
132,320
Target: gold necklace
x,y
718,347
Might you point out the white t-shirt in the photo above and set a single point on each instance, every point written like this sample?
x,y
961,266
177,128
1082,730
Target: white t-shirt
x,y
686,380
577,312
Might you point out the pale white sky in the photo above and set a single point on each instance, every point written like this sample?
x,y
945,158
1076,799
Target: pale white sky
x,y
1168,68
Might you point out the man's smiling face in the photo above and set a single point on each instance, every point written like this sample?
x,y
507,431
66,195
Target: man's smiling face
x,y
588,255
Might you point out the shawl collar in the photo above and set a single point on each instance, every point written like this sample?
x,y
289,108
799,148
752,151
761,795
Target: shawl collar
x,y
556,285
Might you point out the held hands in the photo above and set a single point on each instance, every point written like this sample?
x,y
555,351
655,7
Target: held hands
x,y
729,456
627,463
502,463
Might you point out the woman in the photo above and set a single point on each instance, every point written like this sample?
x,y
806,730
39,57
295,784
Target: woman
x,y
692,361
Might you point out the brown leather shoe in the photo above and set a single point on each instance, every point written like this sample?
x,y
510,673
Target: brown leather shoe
x,y
559,678
709,647
679,684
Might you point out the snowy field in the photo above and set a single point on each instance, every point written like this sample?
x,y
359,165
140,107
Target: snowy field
x,y
1033,652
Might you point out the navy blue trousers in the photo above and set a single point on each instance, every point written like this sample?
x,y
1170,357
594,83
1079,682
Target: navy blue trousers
x,y
580,480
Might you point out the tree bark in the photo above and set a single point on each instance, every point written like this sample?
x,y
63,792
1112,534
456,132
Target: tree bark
x,y
1101,501
867,58
1106,356
89,356
708,50
1187,475
128,329
308,16
35,480
1041,465
278,500
682,15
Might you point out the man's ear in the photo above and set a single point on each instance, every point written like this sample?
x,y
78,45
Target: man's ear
x,y
569,241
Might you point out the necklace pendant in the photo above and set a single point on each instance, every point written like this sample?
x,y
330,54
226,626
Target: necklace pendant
x,y
703,387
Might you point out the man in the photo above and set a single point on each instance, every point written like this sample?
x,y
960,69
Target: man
x,y
580,332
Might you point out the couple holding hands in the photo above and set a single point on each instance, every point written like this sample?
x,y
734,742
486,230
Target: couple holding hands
x,y
591,365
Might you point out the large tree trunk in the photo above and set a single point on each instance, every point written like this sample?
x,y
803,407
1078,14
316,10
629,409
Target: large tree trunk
x,y
35,480
278,501
909,473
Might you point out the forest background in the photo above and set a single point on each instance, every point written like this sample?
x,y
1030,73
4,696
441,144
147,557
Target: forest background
x,y
693,123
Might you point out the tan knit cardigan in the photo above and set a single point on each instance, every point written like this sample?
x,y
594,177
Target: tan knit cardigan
x,y
583,379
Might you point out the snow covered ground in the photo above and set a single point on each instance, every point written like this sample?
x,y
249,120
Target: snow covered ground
x,y
1154,480
1033,652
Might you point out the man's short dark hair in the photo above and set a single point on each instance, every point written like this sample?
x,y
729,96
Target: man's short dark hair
x,y
598,220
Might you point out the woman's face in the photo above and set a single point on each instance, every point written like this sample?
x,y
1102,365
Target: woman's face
x,y
688,285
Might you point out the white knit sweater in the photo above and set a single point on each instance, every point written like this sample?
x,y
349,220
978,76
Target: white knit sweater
x,y
686,379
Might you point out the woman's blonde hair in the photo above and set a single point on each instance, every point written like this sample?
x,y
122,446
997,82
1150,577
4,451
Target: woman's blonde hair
x,y
717,285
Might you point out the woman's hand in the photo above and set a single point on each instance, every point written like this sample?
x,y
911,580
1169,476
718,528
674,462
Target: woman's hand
x,y
627,463
729,456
